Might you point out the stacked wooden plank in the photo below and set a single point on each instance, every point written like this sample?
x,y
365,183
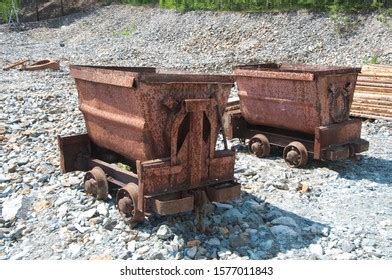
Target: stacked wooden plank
x,y
373,93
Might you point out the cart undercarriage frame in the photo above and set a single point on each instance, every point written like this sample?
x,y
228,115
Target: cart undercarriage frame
x,y
331,142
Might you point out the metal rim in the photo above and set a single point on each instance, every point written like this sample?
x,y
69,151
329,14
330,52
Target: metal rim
x,y
96,184
295,154
259,145
126,201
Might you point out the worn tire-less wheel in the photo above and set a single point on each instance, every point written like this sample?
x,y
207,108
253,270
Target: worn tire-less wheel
x,y
96,184
126,201
295,154
259,145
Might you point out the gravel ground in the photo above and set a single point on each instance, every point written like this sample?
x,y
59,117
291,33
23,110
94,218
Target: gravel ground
x,y
46,215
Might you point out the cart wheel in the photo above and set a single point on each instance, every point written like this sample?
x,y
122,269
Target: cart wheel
x,y
259,145
95,183
295,154
126,201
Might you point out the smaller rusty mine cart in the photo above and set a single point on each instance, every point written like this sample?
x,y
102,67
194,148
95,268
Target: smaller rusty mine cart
x,y
302,108
162,127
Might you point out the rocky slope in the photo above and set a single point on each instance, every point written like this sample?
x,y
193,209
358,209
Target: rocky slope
x,y
46,215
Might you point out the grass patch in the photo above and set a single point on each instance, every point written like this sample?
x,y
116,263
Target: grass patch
x,y
385,17
343,23
126,32
336,6
373,59
8,8
140,2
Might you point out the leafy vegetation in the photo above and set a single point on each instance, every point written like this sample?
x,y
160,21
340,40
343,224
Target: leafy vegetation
x,y
8,8
386,17
373,59
276,5
140,2
127,32
343,23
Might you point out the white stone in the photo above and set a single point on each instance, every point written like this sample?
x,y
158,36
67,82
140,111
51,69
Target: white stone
x,y
97,238
79,228
316,250
62,210
11,208
88,214
74,250
102,210
143,249
346,256
4,179
132,246
73,180
164,232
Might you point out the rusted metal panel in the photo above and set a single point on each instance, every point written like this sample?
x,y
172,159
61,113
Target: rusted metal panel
x,y
222,166
167,205
224,192
133,120
360,146
336,153
336,134
104,76
295,97
42,65
74,152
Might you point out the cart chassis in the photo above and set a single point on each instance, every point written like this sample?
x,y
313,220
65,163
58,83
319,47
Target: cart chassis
x,y
332,142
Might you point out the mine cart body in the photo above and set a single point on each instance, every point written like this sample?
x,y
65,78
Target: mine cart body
x,y
286,103
164,125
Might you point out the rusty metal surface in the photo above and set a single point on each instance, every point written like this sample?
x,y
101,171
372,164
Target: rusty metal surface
x,y
336,134
295,154
169,204
325,144
42,65
125,108
295,97
74,152
237,127
127,200
96,184
18,64
223,192
166,124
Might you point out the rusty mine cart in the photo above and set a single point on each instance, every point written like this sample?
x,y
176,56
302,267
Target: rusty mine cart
x,y
302,108
163,126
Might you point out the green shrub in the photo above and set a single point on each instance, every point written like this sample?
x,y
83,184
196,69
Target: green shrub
x,y
127,32
385,17
276,5
343,23
140,2
7,9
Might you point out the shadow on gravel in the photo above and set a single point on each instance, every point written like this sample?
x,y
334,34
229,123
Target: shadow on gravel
x,y
373,169
246,227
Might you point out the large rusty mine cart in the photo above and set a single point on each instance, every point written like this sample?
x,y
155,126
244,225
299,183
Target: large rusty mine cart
x,y
164,127
303,108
